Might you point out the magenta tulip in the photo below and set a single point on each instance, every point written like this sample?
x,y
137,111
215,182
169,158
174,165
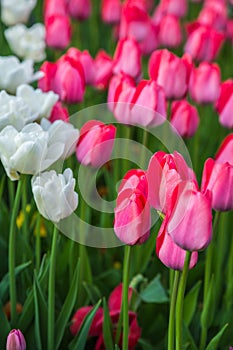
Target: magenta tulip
x,y
79,9
224,104
225,152
15,340
58,31
111,11
184,118
103,70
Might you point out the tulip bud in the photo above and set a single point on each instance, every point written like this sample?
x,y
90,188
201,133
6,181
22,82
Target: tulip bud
x,y
225,152
174,7
15,340
86,61
58,31
184,117
224,104
168,37
79,9
103,70
59,113
111,11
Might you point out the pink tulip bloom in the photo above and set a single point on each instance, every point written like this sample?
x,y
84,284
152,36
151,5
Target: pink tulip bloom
x,y
15,340
135,179
103,70
204,84
58,31
164,172
224,104
214,14
111,11
218,178
80,314
203,42
170,72
55,8
170,253
184,118
49,70
190,217
59,113
225,152
174,7
87,62
95,143
168,37
79,9
127,58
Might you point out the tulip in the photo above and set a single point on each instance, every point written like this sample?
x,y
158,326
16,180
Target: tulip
x,y
224,104
225,152
218,178
170,72
214,14
95,143
190,217
59,113
86,61
184,118
27,43
135,179
127,58
15,340
174,7
170,253
168,37
55,7
80,314
203,42
54,194
15,73
204,84
58,31
48,71
103,70
79,9
16,11
111,11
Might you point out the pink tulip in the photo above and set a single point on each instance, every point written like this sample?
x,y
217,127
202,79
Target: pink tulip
x,y
170,253
95,143
135,179
214,14
127,58
164,172
111,11
80,314
115,298
103,70
170,72
15,340
224,104
218,178
168,37
190,217
59,113
203,42
86,61
225,152
58,31
55,8
204,84
174,7
79,9
49,70
184,117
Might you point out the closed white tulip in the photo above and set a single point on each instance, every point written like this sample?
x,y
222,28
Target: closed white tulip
x,y
16,11
54,194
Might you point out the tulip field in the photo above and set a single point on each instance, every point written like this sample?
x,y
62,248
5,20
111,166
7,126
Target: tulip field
x,y
116,186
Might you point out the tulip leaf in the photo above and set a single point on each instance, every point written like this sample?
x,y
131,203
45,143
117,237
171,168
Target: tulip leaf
x,y
208,311
4,285
213,344
189,341
80,340
154,292
92,291
190,303
107,328
67,308
5,327
145,345
116,347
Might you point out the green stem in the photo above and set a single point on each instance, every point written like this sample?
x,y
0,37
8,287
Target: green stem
x,y
144,143
171,326
180,302
125,301
38,242
13,296
126,136
51,291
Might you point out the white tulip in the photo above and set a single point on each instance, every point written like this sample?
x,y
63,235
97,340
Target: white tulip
x,y
28,151
14,73
27,43
54,194
16,11
39,102
14,111
64,132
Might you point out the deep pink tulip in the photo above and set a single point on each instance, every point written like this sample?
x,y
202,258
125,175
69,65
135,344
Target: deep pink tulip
x,y
103,70
218,178
170,253
49,70
224,104
58,31
214,14
204,83
225,151
170,72
95,143
55,7
127,58
174,7
111,11
15,340
164,172
190,217
135,179
203,42
59,113
80,314
79,9
115,298
87,62
229,29
168,37
184,117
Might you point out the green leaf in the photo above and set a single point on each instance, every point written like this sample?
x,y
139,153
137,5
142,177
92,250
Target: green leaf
x,y
92,291
154,292
189,341
208,310
5,327
80,340
4,285
145,345
107,328
67,308
117,347
213,344
190,303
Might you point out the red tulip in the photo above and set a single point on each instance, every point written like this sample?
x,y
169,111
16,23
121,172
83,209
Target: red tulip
x,y
80,314
59,113
225,152
111,11
184,117
103,70
224,104
49,70
58,31
79,9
